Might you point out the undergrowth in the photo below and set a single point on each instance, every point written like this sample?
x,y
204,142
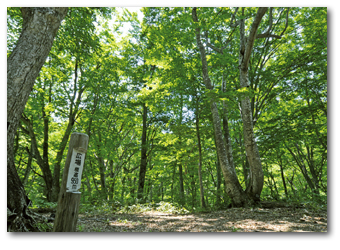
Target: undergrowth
x,y
116,207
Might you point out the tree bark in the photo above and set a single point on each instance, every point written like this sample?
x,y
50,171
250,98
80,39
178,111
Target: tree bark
x,y
28,168
199,156
180,167
40,26
227,138
181,185
233,186
102,167
246,45
142,170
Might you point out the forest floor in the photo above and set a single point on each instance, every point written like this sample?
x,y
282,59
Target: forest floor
x,y
280,219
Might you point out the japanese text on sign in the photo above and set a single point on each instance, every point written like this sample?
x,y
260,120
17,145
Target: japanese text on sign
x,y
75,171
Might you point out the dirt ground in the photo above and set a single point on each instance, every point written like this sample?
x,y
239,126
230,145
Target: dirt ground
x,y
229,220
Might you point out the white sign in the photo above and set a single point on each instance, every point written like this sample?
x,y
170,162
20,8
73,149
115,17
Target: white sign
x,y
75,171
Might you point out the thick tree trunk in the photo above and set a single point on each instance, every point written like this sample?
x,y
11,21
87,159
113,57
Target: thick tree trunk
x,y
40,26
143,164
18,217
246,45
233,186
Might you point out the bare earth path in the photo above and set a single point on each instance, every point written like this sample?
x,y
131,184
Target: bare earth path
x,y
230,220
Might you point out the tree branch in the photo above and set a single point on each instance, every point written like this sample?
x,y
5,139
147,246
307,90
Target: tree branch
x,y
267,33
232,24
206,78
252,36
286,23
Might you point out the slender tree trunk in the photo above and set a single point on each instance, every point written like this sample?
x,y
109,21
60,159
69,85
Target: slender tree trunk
x,y
93,179
199,157
112,181
88,184
302,167
310,161
219,182
192,185
28,168
102,167
142,170
40,26
181,185
227,137
43,164
74,108
173,183
123,188
180,167
283,180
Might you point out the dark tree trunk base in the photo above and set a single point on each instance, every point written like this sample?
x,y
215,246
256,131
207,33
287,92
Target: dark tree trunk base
x,y
23,222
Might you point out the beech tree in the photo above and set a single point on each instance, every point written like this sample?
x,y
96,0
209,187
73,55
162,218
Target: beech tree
x,y
40,26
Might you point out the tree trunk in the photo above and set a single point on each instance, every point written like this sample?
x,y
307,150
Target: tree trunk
x,y
302,167
226,128
28,168
283,180
256,174
233,186
42,162
142,170
199,157
193,189
71,120
180,167
88,184
218,181
40,26
173,183
102,167
181,186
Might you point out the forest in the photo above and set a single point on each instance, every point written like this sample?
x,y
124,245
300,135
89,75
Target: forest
x,y
190,111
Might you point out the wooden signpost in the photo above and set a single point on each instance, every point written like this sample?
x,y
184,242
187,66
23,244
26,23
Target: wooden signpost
x,y
69,195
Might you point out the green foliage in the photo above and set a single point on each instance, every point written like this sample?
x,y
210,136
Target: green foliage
x,y
234,229
44,227
14,26
104,76
167,207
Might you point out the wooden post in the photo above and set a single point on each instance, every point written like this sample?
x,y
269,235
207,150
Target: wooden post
x,y
69,195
